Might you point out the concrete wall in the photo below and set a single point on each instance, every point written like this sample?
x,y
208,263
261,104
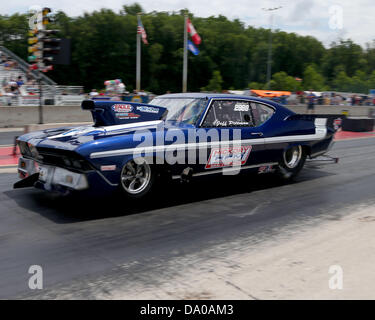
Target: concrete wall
x,y
21,116
354,111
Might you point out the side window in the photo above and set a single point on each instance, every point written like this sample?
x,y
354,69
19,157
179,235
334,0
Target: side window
x,y
229,113
261,113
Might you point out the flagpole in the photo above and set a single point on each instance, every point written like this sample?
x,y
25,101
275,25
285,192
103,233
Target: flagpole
x,y
185,62
138,71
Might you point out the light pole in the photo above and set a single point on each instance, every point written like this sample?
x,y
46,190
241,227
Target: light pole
x,y
269,58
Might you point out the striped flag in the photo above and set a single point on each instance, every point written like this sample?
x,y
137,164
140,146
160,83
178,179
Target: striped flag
x,y
141,30
193,48
194,35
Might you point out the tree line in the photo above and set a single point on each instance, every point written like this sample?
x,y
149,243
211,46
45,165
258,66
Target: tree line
x,y
232,55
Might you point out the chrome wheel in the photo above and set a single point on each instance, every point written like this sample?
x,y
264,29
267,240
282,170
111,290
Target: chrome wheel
x,y
292,157
135,177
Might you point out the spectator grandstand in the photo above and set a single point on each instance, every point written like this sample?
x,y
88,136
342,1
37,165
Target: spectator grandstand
x,y
19,85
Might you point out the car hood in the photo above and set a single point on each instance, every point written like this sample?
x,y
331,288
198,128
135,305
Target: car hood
x,y
70,138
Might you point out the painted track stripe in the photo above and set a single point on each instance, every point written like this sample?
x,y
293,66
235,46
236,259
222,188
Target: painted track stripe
x,y
8,170
12,129
348,135
6,156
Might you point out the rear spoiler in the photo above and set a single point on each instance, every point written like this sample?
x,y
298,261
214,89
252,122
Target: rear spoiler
x,y
88,105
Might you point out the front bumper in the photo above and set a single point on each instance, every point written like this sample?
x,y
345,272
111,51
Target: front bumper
x,y
52,178
27,167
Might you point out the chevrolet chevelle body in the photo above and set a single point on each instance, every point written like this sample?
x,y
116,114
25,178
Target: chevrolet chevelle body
x,y
131,146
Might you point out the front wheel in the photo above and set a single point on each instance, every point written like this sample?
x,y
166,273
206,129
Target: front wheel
x,y
292,162
137,178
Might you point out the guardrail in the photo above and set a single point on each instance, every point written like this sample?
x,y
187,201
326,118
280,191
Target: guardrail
x,y
69,90
354,111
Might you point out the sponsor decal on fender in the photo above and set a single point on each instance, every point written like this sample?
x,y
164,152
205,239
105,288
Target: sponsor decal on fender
x,y
265,169
227,157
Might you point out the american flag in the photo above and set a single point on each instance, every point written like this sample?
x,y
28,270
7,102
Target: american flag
x,y
141,30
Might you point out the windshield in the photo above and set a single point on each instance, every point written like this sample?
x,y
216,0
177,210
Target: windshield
x,y
185,110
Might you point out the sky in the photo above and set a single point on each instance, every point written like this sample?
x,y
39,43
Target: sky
x,y
324,19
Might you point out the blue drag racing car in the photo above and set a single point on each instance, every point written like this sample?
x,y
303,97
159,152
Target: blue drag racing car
x,y
131,146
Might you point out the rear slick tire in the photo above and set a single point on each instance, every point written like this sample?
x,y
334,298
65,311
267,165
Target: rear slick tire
x,y
291,163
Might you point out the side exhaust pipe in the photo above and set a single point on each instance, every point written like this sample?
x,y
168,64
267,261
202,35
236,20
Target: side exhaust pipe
x,y
186,174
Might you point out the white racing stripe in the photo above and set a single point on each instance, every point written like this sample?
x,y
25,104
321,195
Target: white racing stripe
x,y
172,147
153,123
320,133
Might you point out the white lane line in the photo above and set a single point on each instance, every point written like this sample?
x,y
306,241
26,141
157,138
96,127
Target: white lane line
x,y
8,170
6,145
12,129
355,138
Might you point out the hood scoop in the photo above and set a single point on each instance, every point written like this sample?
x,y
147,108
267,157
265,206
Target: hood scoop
x,y
111,113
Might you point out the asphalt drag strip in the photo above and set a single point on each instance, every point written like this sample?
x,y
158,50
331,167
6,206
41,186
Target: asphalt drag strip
x,y
247,236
